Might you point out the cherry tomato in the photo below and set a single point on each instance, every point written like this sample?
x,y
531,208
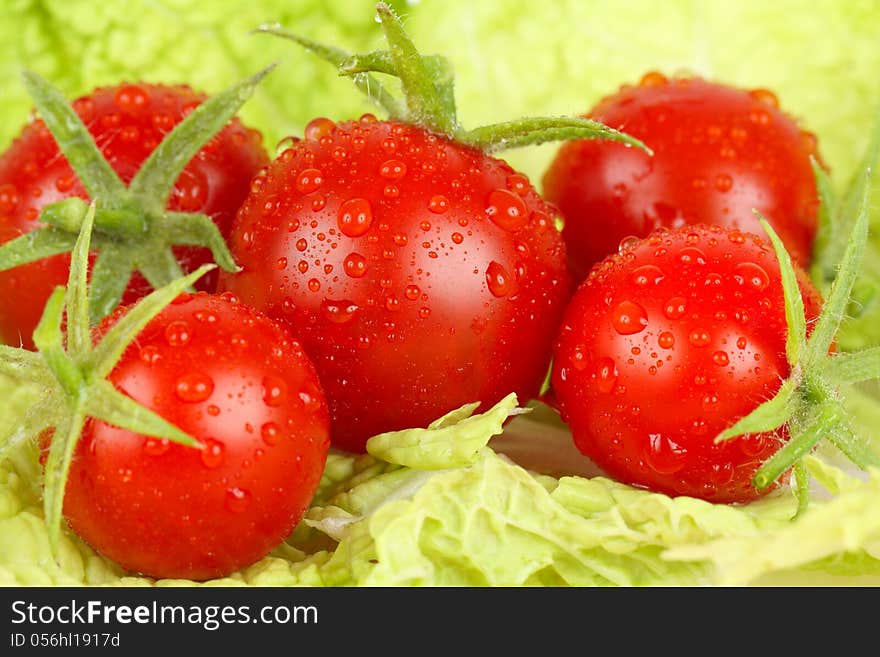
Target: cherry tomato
x,y
719,153
419,273
127,122
242,386
665,345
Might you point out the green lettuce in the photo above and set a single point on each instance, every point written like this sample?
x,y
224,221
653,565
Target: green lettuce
x,y
491,522
438,506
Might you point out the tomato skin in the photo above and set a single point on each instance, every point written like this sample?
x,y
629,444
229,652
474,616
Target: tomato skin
x,y
420,274
666,345
719,153
239,383
127,121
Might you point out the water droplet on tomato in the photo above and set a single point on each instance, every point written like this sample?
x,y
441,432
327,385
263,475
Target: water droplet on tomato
x,y
629,318
339,311
653,79
691,255
392,169
301,244
424,312
212,453
438,204
392,303
355,217
9,198
663,455
270,433
64,183
752,275
314,284
319,127
156,446
628,243
666,340
579,358
518,184
646,275
723,182
194,387
741,342
237,499
606,375
765,96
178,333
720,358
150,354
507,210
131,98
498,280
355,265
309,180
412,292
699,338
274,391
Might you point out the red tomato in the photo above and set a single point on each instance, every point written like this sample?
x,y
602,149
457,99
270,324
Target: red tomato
x,y
420,274
238,383
128,122
719,152
666,345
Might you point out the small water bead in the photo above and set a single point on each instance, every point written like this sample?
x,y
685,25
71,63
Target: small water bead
x,y
723,182
314,284
319,127
156,446
606,375
653,79
301,244
339,311
213,453
150,354
457,238
392,169
355,265
765,96
691,255
751,275
438,204
412,292
507,210
741,343
666,340
629,318
9,198
646,275
355,217
178,333
498,280
392,303
237,500
721,358
699,338
628,243
213,410
663,455
270,433
309,180
274,391
424,312
194,387
131,98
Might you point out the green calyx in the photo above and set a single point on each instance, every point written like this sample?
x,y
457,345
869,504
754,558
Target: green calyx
x,y
427,83
133,230
809,402
72,374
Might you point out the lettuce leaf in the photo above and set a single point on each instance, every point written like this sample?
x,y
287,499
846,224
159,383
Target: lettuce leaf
x,y
492,522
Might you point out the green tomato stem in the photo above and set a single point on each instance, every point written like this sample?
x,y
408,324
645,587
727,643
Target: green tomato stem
x,y
822,419
768,416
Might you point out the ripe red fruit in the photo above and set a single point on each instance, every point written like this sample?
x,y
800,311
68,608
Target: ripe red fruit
x,y
667,344
127,122
419,273
719,153
239,384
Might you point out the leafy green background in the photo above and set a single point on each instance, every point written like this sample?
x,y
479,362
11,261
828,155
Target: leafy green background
x,y
512,58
